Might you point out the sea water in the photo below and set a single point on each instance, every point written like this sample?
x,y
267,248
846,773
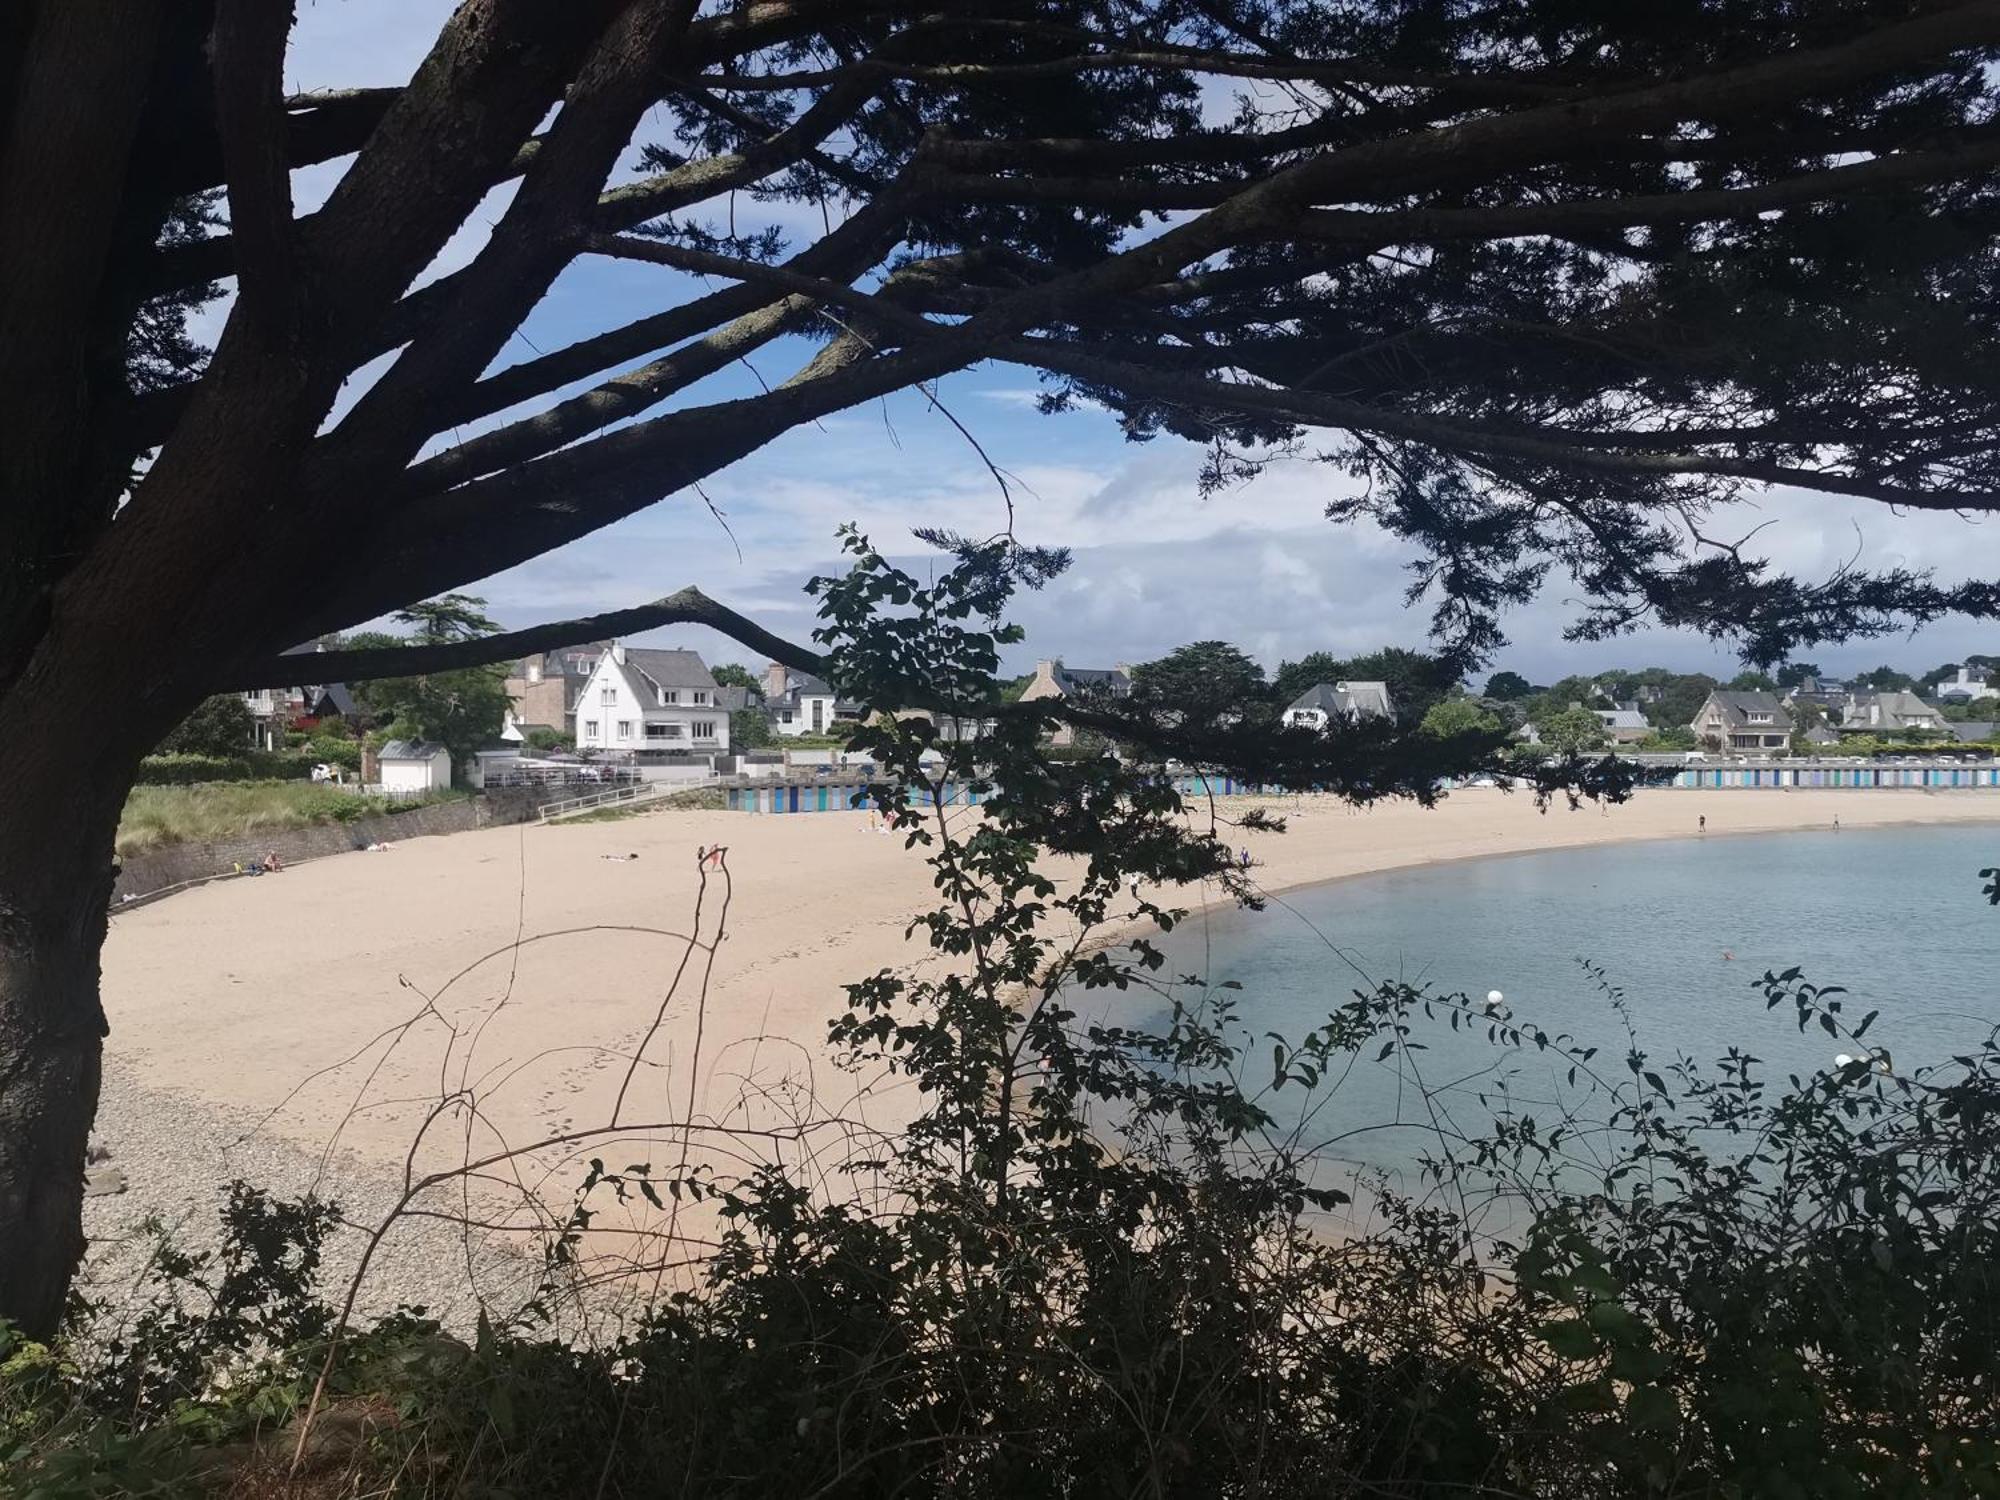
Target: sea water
x,y
1683,929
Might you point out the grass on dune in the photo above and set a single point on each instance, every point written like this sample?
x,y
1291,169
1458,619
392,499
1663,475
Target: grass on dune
x,y
160,815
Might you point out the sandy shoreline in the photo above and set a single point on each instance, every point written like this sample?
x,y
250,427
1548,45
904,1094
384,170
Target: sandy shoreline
x,y
272,1005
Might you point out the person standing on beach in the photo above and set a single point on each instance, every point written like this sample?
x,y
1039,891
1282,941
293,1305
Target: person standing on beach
x,y
1701,823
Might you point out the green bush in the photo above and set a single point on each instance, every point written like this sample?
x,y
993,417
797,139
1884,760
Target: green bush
x,y
185,770
252,765
345,753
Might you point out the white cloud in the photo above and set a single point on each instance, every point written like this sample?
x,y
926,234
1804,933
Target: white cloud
x,y
1025,397
1155,564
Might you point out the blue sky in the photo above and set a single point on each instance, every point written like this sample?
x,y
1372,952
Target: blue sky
x,y
1156,564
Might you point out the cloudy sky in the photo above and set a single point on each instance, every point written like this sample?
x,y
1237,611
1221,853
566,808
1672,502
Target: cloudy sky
x,y
1156,564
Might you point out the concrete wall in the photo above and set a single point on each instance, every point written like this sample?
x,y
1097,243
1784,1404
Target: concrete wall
x,y
158,870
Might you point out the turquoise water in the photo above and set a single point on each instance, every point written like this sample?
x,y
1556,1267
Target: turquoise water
x,y
1895,915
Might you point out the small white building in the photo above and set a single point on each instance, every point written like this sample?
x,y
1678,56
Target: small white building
x,y
1324,702
651,702
1969,683
493,764
414,766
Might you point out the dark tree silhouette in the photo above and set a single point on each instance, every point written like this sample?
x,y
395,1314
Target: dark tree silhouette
x,y
1557,281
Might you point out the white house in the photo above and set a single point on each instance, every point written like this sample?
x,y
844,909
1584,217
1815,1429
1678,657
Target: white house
x,y
647,702
801,704
414,766
1323,702
1969,683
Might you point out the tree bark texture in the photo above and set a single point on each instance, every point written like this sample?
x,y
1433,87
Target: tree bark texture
x,y
55,886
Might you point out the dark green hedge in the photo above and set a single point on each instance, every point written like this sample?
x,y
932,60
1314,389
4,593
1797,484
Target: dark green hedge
x,y
252,765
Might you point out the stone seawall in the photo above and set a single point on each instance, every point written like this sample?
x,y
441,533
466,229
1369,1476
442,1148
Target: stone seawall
x,y
157,871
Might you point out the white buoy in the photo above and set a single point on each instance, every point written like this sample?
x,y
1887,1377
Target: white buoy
x,y
1493,999
1841,1060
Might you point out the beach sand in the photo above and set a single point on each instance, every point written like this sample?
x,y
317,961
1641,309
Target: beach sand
x,y
272,1004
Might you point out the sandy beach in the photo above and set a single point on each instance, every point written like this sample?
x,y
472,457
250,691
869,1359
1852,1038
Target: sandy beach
x,y
523,967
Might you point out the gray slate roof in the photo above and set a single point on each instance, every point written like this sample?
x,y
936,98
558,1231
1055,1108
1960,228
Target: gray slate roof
x,y
410,750
336,698
1094,677
802,685
1971,731
670,669
1349,700
1622,718
1322,696
1892,710
1825,691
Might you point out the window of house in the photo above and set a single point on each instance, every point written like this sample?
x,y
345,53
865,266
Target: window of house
x,y
704,729
590,728
784,716
608,696
1758,718
670,695
624,729
700,698
663,731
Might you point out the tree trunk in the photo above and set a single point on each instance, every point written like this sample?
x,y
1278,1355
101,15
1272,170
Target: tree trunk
x,y
55,889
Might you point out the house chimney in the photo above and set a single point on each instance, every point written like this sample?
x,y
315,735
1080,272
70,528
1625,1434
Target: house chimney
x,y
1047,668
371,765
775,679
618,652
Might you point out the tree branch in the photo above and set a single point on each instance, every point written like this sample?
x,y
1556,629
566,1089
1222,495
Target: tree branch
x,y
249,60
1541,445
1213,62
625,396
620,208
1978,154
528,247
688,606
441,540
779,278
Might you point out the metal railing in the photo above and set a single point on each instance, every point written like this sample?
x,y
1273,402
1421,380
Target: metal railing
x,y
562,776
624,796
